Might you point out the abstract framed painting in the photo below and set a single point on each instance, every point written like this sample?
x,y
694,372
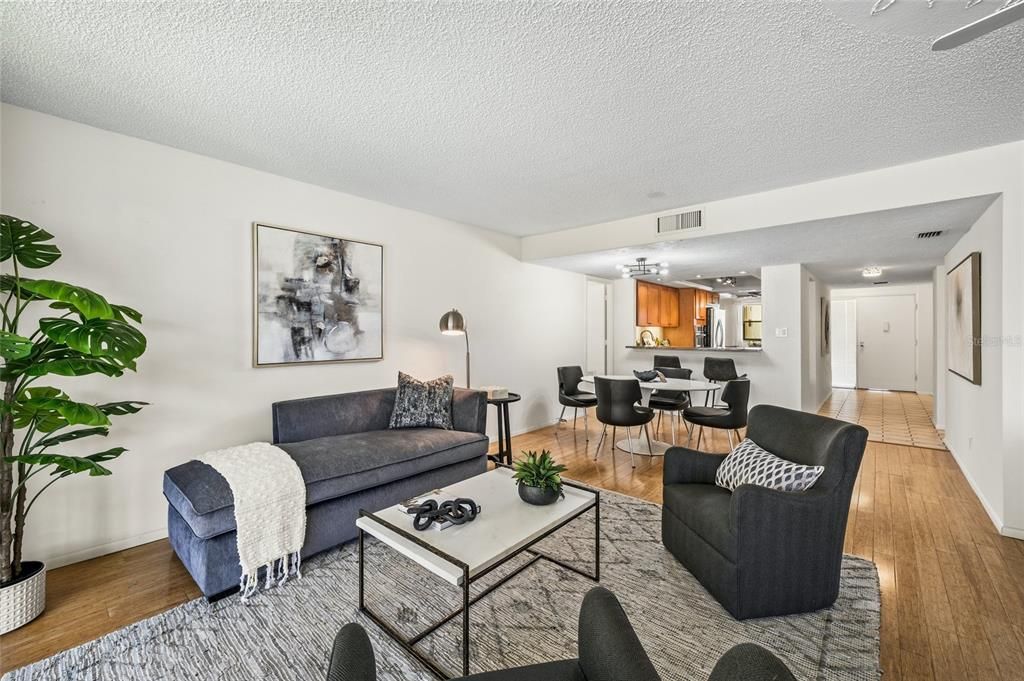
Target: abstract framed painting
x,y
963,318
317,298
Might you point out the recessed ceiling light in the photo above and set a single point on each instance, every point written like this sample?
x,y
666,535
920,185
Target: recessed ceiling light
x,y
719,280
743,271
871,272
699,276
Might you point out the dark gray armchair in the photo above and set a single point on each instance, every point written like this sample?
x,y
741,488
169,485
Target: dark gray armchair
x,y
609,651
759,551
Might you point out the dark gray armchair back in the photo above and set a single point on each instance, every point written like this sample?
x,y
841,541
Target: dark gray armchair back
x,y
811,440
616,401
363,411
666,362
569,380
609,648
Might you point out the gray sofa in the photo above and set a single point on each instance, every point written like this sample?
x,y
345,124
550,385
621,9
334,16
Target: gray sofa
x,y
349,461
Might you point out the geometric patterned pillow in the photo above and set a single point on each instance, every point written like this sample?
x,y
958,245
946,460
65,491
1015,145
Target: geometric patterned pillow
x,y
748,464
423,404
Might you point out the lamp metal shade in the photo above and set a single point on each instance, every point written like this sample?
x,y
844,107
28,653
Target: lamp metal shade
x,y
452,323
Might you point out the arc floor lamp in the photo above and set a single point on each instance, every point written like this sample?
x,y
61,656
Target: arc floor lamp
x,y
454,324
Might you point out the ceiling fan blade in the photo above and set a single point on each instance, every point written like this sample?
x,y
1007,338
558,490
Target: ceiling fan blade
x,y
976,29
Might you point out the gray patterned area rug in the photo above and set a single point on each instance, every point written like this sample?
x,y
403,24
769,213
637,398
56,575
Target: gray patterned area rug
x,y
286,633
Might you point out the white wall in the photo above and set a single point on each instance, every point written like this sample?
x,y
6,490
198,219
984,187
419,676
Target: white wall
x,y
816,369
973,413
925,323
939,336
775,373
169,233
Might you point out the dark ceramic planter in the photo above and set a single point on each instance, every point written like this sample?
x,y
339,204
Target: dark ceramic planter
x,y
538,496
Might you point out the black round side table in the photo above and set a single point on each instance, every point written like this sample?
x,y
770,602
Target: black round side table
x,y
504,453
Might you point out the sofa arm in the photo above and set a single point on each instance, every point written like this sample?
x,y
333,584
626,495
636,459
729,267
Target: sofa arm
x,y
688,466
469,411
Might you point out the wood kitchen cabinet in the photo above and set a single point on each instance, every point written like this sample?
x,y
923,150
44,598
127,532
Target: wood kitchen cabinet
x,y
656,305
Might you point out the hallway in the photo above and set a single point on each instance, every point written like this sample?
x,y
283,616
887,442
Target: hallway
x,y
898,418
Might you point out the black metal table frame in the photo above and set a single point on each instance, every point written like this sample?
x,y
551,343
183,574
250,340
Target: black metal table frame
x,y
409,643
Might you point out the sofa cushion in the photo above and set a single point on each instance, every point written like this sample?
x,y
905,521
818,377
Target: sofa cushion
x,y
705,510
331,467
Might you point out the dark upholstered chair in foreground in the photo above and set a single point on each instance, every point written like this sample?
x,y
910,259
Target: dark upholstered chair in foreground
x,y
759,551
608,647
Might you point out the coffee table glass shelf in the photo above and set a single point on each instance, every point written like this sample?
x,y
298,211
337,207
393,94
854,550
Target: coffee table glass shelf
x,y
505,528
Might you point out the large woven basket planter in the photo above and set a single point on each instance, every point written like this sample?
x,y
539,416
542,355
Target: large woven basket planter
x,y
22,601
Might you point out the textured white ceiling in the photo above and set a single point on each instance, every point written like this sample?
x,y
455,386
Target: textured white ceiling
x,y
523,116
834,250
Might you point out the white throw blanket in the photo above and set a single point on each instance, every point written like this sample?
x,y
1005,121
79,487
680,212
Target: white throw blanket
x,y
270,510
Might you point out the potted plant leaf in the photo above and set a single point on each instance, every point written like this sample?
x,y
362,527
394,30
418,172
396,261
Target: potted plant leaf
x,y
539,478
76,333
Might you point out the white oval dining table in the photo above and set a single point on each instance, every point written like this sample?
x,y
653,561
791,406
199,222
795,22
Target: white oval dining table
x,y
648,388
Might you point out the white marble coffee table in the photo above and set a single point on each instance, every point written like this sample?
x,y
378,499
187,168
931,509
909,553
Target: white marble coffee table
x,y
506,527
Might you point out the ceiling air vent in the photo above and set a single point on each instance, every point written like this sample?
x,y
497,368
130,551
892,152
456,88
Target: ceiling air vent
x,y
879,283
673,223
929,235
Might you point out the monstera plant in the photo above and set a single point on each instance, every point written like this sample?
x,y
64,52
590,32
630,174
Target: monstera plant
x,y
51,329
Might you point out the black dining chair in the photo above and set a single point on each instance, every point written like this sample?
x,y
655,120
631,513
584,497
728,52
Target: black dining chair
x,y
666,361
618,405
719,370
736,395
671,401
569,395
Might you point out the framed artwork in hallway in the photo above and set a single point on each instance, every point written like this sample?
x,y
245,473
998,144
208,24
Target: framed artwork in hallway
x,y
316,298
963,315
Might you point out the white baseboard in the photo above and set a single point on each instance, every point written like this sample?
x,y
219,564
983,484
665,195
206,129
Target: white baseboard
x,y
992,515
104,549
1012,532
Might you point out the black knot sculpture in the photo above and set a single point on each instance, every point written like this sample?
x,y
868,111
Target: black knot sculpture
x,y
454,511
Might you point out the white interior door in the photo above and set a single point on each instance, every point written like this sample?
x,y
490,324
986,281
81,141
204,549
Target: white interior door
x,y
887,343
844,343
597,328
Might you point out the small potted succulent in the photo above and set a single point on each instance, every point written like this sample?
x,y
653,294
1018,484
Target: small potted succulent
x,y
539,478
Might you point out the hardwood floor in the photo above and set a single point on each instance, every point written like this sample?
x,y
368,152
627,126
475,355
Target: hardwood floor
x,y
952,588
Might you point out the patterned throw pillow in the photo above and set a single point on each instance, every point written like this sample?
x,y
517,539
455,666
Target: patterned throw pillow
x,y
423,404
748,464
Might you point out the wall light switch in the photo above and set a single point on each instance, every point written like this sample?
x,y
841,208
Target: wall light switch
x,y
782,333
885,327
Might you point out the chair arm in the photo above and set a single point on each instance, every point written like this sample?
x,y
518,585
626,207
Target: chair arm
x,y
352,656
686,466
750,662
787,514
609,647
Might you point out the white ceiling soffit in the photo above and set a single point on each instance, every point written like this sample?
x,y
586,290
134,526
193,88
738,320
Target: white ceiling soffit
x,y
834,250
525,117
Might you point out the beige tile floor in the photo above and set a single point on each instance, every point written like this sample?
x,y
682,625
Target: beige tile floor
x,y
899,418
